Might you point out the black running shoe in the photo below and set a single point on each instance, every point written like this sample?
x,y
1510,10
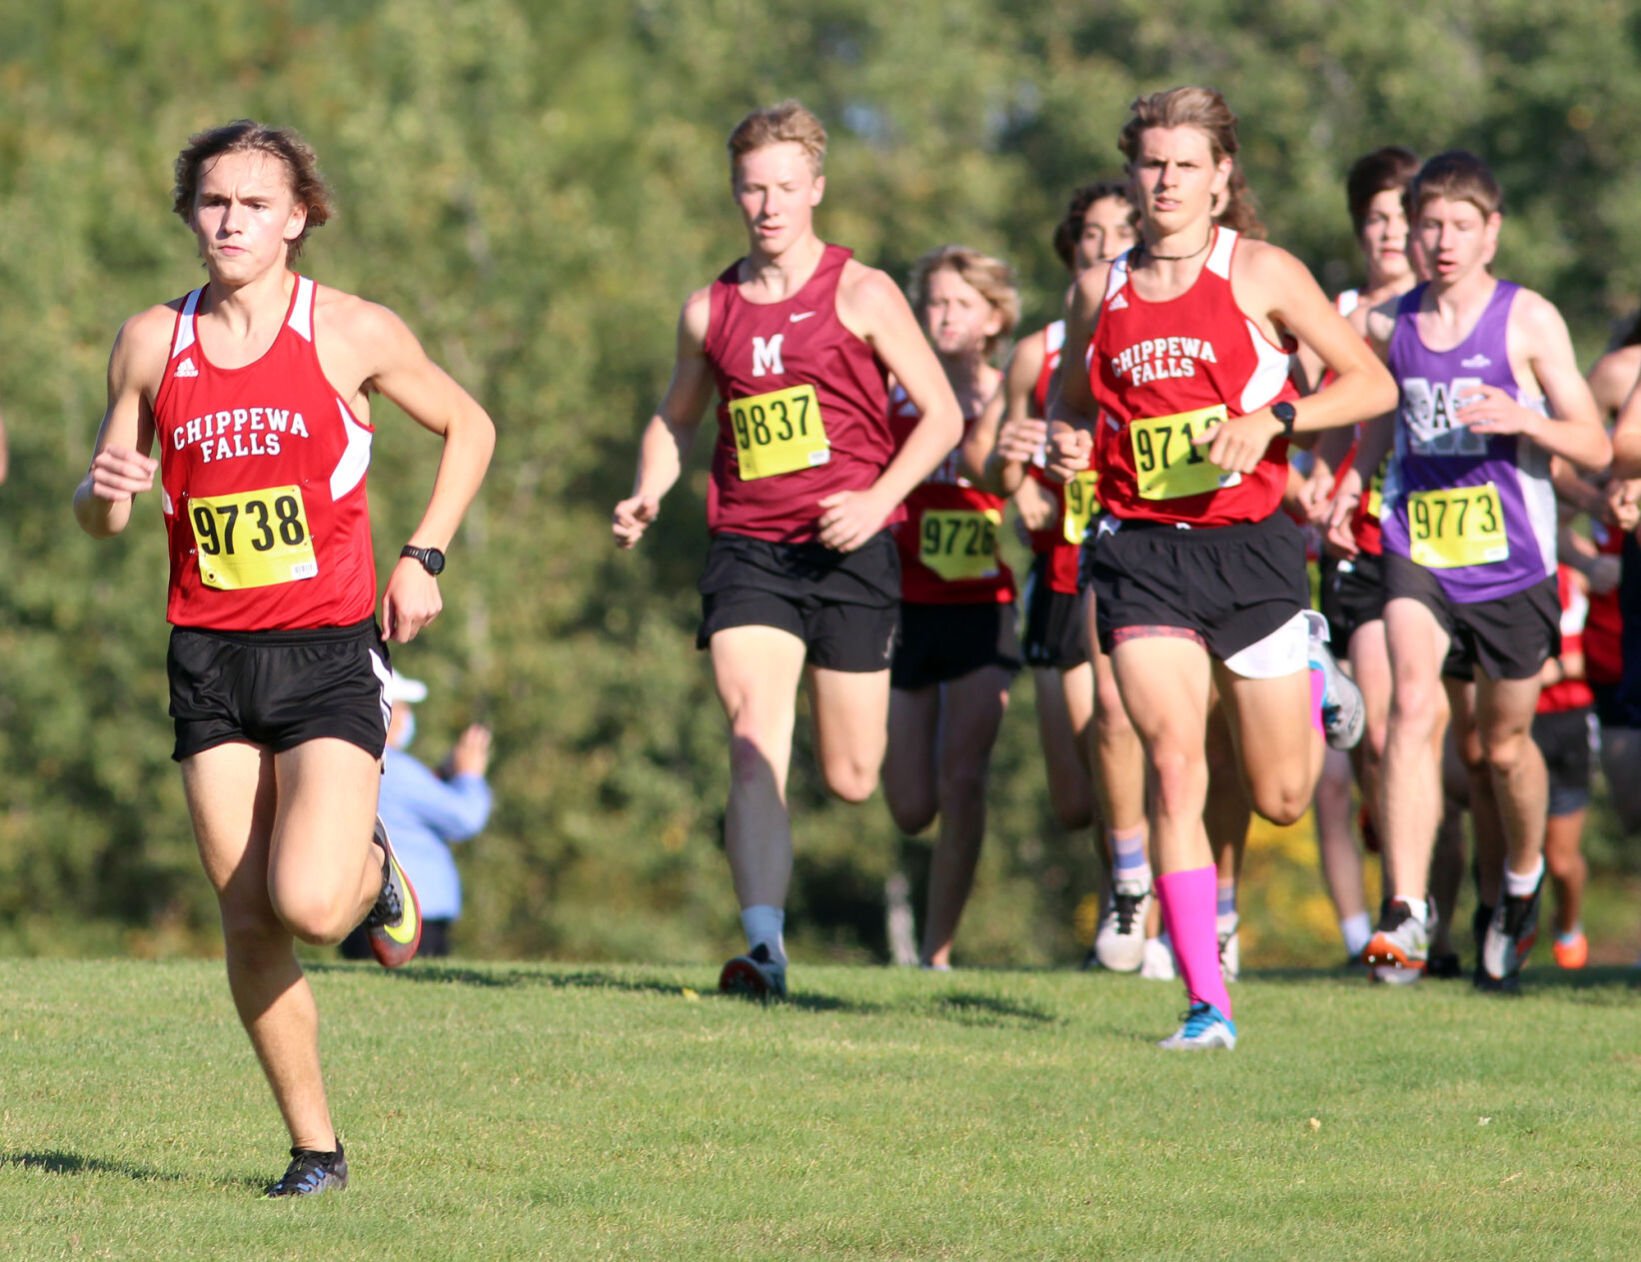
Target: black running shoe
x,y
312,1172
1444,965
756,975
1510,937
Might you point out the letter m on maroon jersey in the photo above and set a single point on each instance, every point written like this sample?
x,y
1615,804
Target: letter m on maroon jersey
x,y
766,356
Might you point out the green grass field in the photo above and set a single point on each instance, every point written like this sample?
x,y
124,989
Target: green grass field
x,y
541,1111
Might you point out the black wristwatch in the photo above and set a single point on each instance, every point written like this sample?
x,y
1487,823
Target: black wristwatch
x,y
431,558
1287,414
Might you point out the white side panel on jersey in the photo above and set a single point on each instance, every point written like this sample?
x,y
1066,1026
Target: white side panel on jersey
x,y
350,469
1219,262
185,326
1537,493
1054,337
301,320
166,505
1267,380
1117,277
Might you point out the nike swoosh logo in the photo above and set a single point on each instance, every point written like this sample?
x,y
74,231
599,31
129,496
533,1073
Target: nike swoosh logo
x,y
803,315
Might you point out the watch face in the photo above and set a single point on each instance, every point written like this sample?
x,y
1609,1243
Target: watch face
x,y
433,559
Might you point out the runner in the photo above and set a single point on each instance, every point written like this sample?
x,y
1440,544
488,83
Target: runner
x,y
257,388
802,576
1352,590
1199,578
958,650
1098,226
1469,545
1562,732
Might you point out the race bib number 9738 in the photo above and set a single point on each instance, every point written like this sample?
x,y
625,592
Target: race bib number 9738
x,y
1457,526
253,539
1168,465
778,432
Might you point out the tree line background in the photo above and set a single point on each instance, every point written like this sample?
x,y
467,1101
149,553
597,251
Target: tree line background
x,y
535,187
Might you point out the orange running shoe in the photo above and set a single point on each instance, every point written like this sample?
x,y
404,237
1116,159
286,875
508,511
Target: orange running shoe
x,y
1571,950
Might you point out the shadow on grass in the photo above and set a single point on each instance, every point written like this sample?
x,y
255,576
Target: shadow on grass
x,y
962,1007
1601,983
58,1162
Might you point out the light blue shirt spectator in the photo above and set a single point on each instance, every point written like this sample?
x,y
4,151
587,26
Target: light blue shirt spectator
x,y
425,816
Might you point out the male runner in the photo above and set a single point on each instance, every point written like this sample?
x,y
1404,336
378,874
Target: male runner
x,y
257,388
802,577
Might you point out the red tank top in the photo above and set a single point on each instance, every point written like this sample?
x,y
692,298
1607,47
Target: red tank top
x,y
949,540
1060,541
1604,627
1569,694
262,470
1162,373
803,407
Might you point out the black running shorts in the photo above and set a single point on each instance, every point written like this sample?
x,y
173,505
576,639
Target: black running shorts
x,y
1564,740
1230,585
278,689
1508,638
1353,595
940,643
844,606
1054,639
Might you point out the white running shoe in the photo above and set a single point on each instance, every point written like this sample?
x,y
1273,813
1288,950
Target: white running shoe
x,y
1120,943
1344,713
1158,962
1230,952
1205,1028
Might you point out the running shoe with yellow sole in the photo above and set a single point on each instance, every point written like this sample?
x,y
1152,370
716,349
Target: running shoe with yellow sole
x,y
394,924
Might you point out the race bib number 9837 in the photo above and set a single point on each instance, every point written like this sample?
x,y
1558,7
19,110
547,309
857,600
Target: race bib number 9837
x,y
778,432
253,539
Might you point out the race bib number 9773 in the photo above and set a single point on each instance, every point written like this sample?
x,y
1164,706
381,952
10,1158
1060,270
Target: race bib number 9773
x,y
1457,526
778,432
253,539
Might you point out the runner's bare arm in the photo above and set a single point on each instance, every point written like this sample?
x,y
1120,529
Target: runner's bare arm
x,y
672,427
1270,282
121,467
1538,337
1615,374
871,306
1071,407
1373,443
1626,438
1008,436
398,367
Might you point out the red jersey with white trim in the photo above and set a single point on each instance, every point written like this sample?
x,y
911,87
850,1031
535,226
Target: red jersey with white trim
x,y
1604,627
1163,374
1568,694
949,540
803,407
262,474
1060,541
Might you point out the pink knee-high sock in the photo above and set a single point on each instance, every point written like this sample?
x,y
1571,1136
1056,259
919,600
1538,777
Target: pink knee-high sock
x,y
1319,685
1190,902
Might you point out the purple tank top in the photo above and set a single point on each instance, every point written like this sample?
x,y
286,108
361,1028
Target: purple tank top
x,y
1476,509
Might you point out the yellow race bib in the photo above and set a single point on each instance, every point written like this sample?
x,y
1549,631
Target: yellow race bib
x,y
960,544
1457,526
253,539
1168,465
778,432
1082,505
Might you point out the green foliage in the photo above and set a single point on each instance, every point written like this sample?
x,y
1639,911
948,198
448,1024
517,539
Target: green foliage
x,y
535,189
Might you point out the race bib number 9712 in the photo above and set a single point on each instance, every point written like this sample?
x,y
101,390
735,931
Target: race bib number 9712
x,y
253,539
1168,465
1457,526
779,432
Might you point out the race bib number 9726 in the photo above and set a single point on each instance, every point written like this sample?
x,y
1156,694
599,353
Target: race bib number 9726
x,y
253,539
778,432
1168,465
959,544
1457,526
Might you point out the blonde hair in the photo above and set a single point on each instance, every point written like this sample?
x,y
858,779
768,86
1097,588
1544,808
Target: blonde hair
x,y
1205,110
245,135
1456,176
786,122
992,278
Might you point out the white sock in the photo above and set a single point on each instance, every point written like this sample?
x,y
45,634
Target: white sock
x,y
1356,930
1517,886
766,924
1418,906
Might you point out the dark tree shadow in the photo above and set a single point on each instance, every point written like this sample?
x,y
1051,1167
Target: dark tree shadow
x,y
56,1161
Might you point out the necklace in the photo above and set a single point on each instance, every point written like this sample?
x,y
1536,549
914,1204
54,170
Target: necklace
x,y
1179,258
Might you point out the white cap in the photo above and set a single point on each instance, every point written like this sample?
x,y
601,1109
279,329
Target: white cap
x,y
403,688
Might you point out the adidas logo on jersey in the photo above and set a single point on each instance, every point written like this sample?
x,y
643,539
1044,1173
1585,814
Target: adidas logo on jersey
x,y
1476,361
1119,303
187,369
